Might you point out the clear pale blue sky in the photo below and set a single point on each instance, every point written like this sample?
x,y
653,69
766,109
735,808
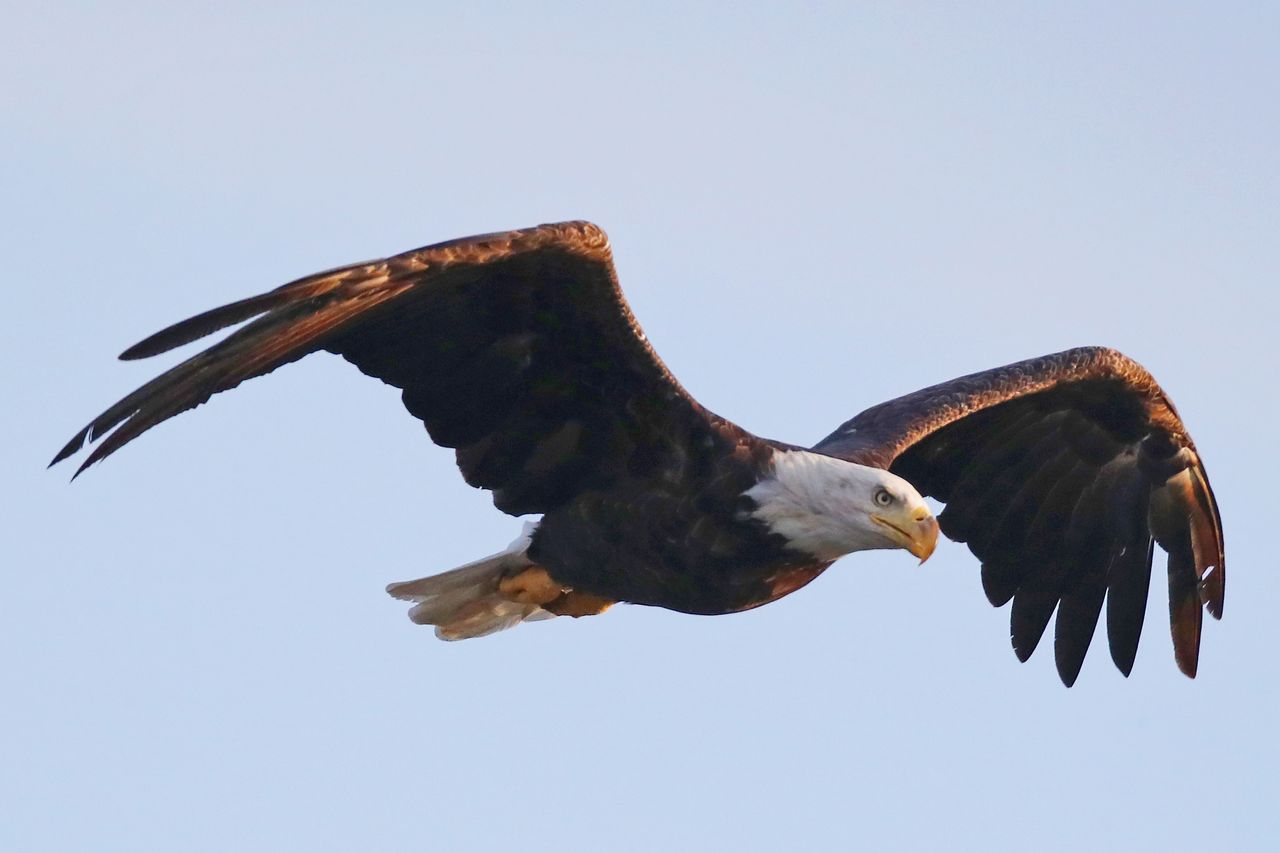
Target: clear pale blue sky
x,y
812,209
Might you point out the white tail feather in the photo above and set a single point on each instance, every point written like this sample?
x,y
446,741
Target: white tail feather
x,y
464,602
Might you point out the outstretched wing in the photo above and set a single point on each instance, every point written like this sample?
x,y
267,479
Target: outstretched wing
x,y
1059,472
518,349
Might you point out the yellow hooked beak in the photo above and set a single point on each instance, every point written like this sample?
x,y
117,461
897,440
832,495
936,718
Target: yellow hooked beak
x,y
916,530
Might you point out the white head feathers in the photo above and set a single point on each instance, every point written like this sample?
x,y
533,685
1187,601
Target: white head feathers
x,y
826,506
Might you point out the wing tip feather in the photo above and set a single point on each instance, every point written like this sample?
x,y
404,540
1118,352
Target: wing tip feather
x,y
207,322
1022,652
1068,660
1190,665
71,447
1185,622
1123,657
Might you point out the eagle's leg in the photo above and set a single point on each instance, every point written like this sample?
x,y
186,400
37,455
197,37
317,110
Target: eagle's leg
x,y
575,603
532,585
535,585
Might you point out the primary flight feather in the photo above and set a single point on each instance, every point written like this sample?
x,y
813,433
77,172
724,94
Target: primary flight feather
x,y
518,350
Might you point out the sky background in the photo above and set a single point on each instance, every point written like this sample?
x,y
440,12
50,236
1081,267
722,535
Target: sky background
x,y
813,208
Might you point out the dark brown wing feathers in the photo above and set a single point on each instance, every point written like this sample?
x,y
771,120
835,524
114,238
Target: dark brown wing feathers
x,y
480,333
286,334
1060,472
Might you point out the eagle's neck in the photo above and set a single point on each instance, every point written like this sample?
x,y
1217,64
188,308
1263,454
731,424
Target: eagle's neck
x,y
817,503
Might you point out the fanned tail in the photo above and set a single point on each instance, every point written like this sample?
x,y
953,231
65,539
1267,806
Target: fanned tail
x,y
465,602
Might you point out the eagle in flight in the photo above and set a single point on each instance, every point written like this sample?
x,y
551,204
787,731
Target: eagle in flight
x,y
519,351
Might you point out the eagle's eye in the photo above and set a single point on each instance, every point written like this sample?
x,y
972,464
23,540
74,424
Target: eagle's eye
x,y
883,498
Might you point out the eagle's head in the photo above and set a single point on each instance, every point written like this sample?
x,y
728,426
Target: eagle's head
x,y
828,507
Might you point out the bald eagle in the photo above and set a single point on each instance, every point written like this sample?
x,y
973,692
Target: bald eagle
x,y
518,350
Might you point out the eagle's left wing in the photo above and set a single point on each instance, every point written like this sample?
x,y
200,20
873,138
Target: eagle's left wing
x,y
1060,472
